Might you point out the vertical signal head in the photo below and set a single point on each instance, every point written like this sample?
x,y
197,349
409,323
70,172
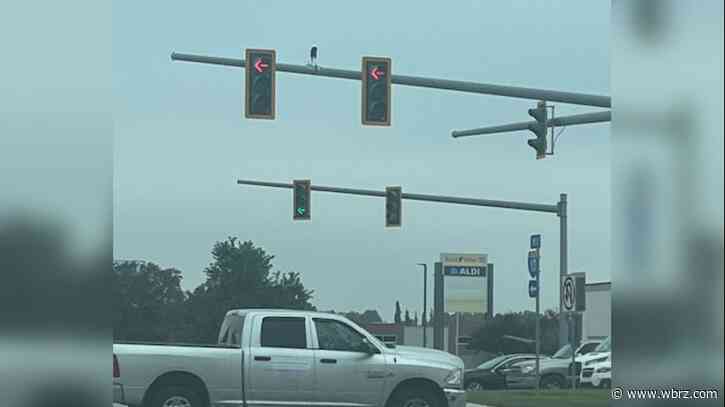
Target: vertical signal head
x,y
301,200
393,206
259,90
539,129
376,80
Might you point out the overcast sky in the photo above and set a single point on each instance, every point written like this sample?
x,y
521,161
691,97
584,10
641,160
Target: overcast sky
x,y
181,142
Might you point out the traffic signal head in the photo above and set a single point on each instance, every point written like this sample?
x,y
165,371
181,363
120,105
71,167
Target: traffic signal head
x,y
539,129
259,90
376,80
393,206
301,200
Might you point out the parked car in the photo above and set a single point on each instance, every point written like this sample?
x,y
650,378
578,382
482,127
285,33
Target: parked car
x,y
286,357
555,372
600,355
599,374
491,375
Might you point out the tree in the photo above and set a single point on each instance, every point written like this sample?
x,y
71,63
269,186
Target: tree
x,y
240,276
408,321
371,317
415,319
365,318
397,318
148,301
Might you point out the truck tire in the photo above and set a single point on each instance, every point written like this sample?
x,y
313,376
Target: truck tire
x,y
414,397
552,382
176,396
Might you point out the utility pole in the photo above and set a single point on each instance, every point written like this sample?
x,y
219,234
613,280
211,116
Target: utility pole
x,y
425,303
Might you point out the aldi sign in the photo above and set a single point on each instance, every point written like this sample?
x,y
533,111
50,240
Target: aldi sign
x,y
465,271
466,285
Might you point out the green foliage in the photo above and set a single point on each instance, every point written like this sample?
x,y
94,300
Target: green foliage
x,y
148,301
397,318
150,304
362,319
490,337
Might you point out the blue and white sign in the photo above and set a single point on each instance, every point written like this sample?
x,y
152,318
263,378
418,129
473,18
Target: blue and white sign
x,y
536,241
465,271
533,289
533,262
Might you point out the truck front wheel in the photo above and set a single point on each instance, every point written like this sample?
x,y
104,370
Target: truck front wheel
x,y
414,397
176,396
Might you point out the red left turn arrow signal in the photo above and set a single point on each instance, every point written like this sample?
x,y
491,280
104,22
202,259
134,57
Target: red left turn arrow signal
x,y
260,65
376,73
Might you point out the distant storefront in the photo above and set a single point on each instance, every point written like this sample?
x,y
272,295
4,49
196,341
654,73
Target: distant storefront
x,y
597,319
399,334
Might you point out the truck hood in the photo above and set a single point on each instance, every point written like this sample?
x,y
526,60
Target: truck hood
x,y
428,355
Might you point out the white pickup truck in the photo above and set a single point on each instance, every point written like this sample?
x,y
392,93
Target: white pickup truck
x,y
286,358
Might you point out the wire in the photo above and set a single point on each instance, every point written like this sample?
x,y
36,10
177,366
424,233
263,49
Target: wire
x,y
556,137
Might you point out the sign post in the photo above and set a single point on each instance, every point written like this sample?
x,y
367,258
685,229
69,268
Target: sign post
x,y
568,294
573,298
534,291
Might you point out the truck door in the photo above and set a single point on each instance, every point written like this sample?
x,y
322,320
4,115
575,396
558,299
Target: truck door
x,y
347,374
280,366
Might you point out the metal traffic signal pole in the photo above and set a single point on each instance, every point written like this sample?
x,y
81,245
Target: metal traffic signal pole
x,y
421,82
563,266
525,206
560,209
461,86
584,118
538,331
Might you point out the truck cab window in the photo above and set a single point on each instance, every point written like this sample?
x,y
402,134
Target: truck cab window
x,y
284,332
335,335
235,331
224,332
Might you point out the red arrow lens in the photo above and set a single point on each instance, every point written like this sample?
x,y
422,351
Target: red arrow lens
x,y
260,65
376,73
